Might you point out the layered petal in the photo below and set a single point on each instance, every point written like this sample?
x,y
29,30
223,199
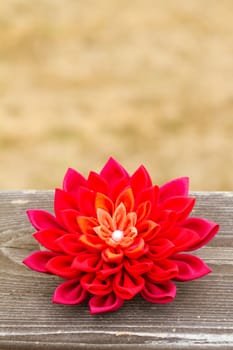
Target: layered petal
x,y
138,266
41,219
112,255
190,267
94,285
62,266
69,220
159,293
113,171
107,303
109,269
70,244
104,202
48,238
97,183
140,180
86,224
63,201
163,270
127,286
73,180
149,194
127,198
182,206
137,249
70,293
38,260
205,229
143,211
174,188
92,242
166,219
87,262
182,238
117,187
86,201
148,230
161,249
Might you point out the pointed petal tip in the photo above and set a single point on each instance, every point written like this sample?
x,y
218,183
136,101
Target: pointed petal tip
x,y
33,262
175,187
69,292
204,228
113,171
73,180
38,260
24,261
32,214
190,267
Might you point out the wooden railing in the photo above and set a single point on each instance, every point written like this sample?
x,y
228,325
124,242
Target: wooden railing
x,y
201,316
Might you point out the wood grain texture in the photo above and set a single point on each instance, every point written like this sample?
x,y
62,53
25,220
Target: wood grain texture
x,y
201,317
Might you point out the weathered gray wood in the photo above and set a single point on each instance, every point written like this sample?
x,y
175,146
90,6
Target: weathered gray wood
x,y
201,317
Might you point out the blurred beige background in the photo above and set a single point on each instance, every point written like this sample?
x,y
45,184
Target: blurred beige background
x,y
145,81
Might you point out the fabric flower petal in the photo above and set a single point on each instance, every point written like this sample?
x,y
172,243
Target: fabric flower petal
x,y
137,249
41,219
73,180
86,224
143,211
161,249
62,266
63,201
163,270
112,255
148,194
159,293
205,229
38,260
108,270
174,188
148,229
140,180
70,244
127,286
113,171
190,267
107,303
70,293
97,183
86,200
182,238
117,187
104,202
92,241
166,219
127,198
87,261
47,238
182,206
69,220
94,285
138,266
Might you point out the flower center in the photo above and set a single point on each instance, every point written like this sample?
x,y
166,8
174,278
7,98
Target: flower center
x,y
118,229
117,235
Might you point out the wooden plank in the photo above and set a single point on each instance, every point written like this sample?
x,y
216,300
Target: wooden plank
x,y
201,317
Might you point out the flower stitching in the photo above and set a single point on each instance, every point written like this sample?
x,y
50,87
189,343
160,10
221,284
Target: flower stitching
x,y
114,236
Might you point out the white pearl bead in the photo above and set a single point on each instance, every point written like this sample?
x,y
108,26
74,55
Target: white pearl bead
x,y
117,235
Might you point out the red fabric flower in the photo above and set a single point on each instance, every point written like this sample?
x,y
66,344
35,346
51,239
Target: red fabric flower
x,y
114,236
